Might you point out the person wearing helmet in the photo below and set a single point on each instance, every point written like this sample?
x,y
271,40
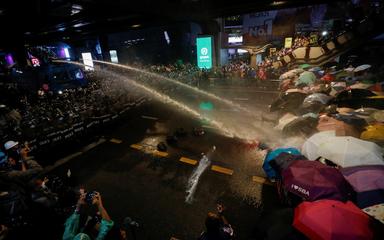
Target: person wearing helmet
x,y
11,145
18,164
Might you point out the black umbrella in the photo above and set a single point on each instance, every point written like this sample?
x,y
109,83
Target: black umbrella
x,y
353,94
301,125
358,98
288,102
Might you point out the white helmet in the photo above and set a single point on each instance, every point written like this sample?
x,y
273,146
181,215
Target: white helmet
x,y
10,144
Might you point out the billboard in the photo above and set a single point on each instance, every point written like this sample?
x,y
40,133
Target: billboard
x,y
87,60
113,55
204,52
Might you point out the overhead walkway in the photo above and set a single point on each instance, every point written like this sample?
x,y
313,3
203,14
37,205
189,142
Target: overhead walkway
x,y
358,35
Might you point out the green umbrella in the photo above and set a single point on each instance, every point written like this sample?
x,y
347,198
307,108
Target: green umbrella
x,y
306,78
305,65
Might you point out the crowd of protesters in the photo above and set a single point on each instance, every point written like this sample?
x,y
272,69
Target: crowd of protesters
x,y
32,201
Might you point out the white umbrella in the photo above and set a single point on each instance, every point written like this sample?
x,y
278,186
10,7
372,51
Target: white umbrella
x,y
291,74
284,120
310,147
362,67
349,151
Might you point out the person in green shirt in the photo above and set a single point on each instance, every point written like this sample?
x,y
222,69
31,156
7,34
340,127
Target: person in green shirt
x,y
72,229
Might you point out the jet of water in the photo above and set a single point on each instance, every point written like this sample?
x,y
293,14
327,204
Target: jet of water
x,y
195,176
174,81
166,99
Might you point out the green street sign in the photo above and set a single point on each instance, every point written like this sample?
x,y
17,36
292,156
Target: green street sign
x,y
204,52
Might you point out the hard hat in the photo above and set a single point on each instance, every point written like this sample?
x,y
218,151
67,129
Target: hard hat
x,y
10,144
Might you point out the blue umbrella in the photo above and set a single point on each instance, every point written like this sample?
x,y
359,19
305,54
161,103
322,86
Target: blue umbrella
x,y
271,173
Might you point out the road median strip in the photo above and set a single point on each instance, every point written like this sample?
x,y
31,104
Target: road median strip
x,y
222,170
115,140
188,160
160,153
136,146
154,152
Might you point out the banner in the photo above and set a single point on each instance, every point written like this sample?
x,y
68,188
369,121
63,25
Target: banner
x,y
204,52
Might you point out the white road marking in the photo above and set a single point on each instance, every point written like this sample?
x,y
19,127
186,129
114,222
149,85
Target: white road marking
x,y
72,156
148,117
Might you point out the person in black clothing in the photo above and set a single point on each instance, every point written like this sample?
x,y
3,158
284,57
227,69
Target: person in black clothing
x,y
217,226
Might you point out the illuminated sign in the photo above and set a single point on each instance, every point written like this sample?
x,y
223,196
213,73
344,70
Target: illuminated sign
x,y
87,60
204,52
35,62
113,55
66,53
235,39
288,42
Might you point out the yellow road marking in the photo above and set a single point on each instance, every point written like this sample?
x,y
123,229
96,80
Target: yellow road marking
x,y
188,160
115,140
261,180
222,170
136,146
159,153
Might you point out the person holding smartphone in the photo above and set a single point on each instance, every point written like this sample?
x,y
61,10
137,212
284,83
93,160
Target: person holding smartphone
x,y
19,165
98,231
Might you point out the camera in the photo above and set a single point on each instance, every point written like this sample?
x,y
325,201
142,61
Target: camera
x,y
89,197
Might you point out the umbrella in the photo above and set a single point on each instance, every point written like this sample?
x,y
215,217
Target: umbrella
x,y
288,102
291,74
362,67
366,114
368,183
305,124
313,180
376,211
378,116
317,97
357,98
350,118
341,128
315,69
315,103
272,155
295,90
311,107
306,78
373,132
328,78
360,86
350,151
283,160
305,65
310,147
353,94
284,120
329,219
